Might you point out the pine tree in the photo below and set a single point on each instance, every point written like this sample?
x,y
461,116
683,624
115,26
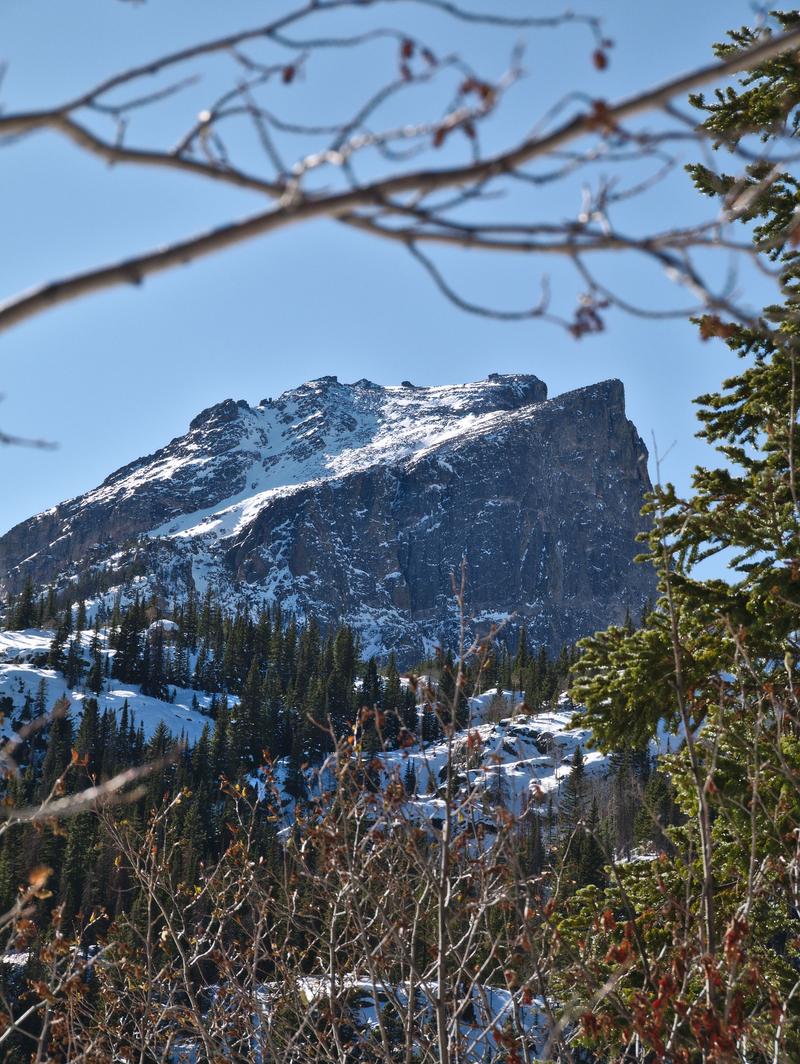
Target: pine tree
x,y
73,664
522,657
59,748
430,728
410,779
49,609
127,663
23,614
371,686
392,703
88,737
55,655
592,850
248,719
295,783
76,871
219,744
94,678
339,693
153,671
572,797
40,702
447,688
717,660
626,794
532,856
655,813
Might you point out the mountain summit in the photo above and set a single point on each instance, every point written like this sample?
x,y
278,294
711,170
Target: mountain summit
x,y
355,502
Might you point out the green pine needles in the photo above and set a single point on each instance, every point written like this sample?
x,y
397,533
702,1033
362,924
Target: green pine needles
x,y
692,950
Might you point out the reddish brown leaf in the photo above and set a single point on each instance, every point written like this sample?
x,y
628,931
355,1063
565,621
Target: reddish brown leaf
x,y
38,876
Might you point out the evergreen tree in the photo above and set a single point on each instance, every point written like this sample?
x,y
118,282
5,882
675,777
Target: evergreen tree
x,y
522,657
371,686
410,779
87,740
73,664
430,727
655,813
127,662
626,798
592,850
153,670
572,797
447,688
532,856
55,655
23,614
717,661
40,702
295,784
77,887
248,719
392,702
219,744
94,678
59,748
339,693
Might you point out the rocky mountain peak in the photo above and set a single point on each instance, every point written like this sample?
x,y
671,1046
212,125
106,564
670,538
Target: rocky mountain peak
x,y
355,501
219,414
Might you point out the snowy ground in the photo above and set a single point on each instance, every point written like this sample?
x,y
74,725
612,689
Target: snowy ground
x,y
19,676
22,646
518,761
493,1008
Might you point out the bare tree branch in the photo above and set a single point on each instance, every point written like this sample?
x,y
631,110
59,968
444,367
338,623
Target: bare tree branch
x,y
89,798
353,205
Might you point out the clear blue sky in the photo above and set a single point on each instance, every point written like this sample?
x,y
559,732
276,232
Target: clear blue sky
x,y
116,375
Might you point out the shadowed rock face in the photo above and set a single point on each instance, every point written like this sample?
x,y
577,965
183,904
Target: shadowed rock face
x,y
356,502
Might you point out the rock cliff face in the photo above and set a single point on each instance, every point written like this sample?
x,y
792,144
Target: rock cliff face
x,y
356,502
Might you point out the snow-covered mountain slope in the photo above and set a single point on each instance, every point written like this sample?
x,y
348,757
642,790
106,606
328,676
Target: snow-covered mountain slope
x,y
25,679
516,762
355,501
17,681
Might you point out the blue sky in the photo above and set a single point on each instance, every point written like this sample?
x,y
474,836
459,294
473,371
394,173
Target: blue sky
x,y
115,376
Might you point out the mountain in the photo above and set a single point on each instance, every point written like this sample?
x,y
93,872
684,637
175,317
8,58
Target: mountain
x,y
356,502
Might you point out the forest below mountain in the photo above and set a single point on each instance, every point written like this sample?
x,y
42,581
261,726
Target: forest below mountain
x,y
279,703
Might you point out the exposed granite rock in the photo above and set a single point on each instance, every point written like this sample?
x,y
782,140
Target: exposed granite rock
x,y
357,502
